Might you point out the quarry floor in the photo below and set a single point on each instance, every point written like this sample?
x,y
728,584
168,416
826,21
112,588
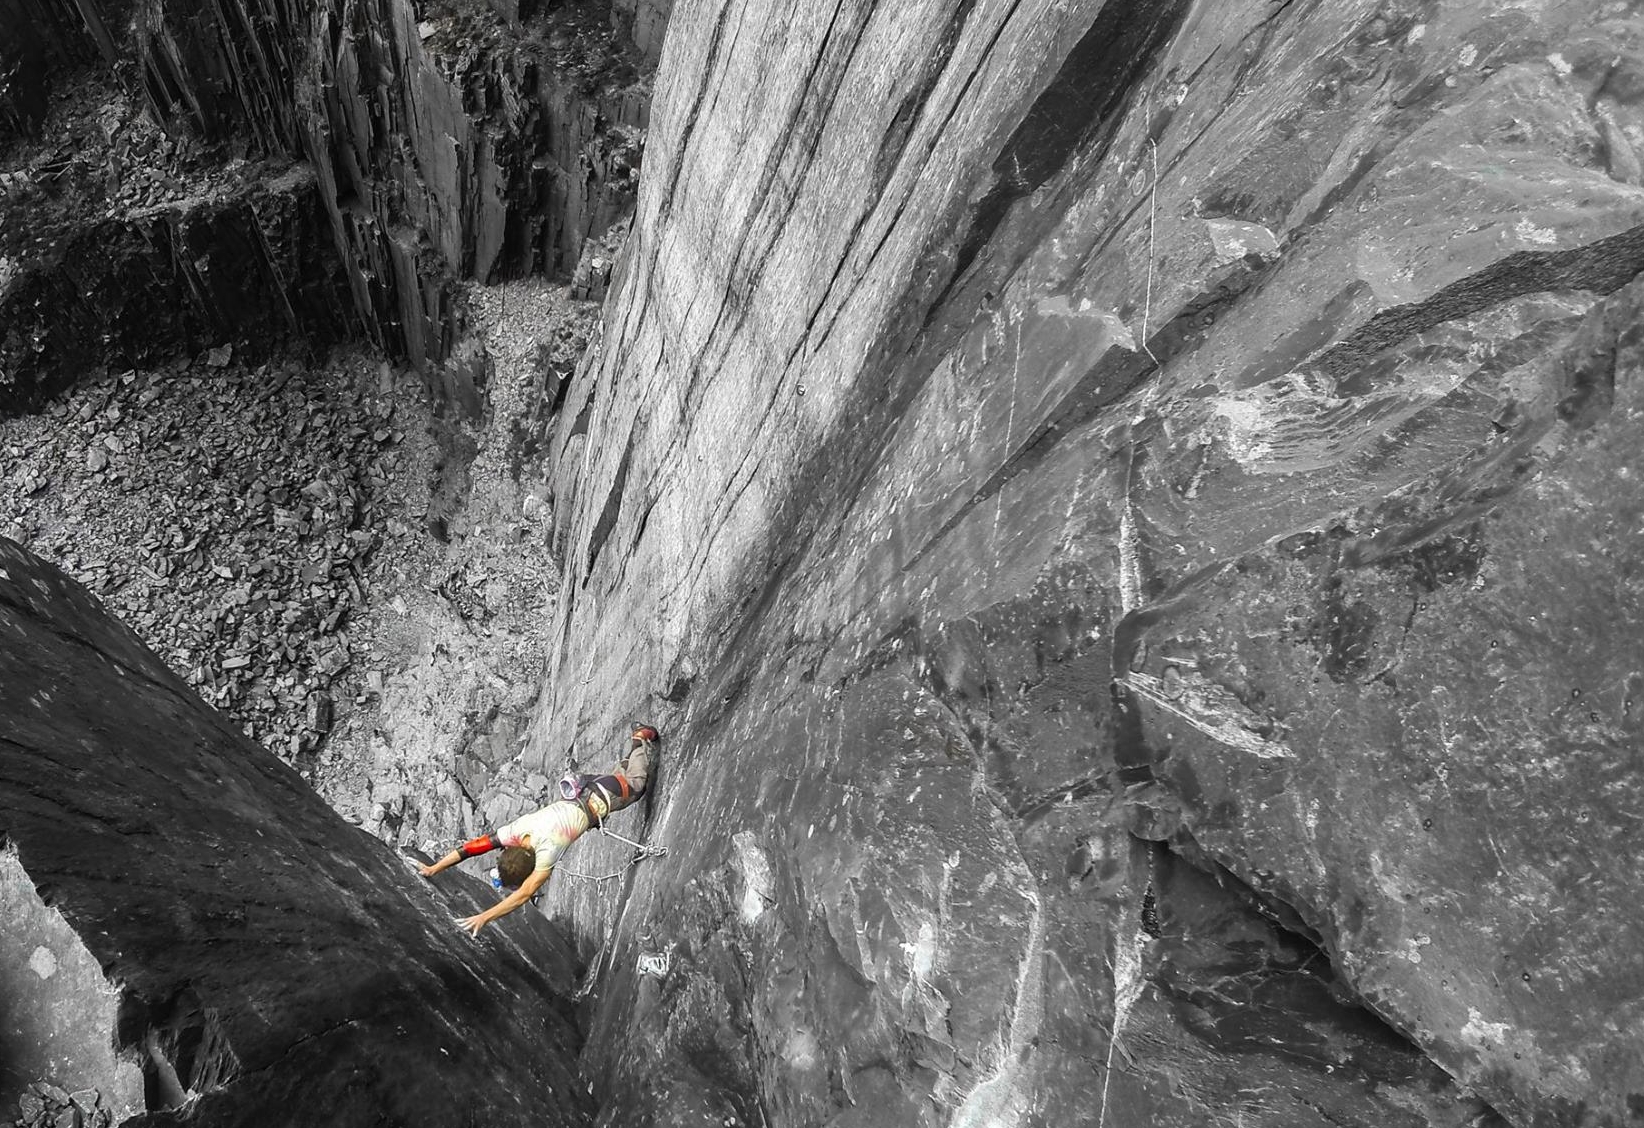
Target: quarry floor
x,y
356,578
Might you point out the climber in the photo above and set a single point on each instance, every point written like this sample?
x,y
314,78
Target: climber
x,y
532,843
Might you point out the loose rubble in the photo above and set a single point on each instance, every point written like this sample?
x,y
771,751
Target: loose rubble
x,y
228,515
44,1105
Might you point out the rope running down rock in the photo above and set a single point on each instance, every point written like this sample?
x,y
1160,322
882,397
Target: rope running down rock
x,y
641,852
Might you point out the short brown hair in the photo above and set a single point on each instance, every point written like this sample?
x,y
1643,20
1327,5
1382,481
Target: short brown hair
x,y
516,865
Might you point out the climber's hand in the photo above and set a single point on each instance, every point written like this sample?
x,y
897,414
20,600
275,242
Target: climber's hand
x,y
442,865
473,924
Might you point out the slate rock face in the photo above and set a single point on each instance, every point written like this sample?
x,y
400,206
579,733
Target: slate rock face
x,y
271,961
1022,433
1445,689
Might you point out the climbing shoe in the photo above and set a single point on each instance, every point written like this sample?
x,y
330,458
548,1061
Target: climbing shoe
x,y
645,734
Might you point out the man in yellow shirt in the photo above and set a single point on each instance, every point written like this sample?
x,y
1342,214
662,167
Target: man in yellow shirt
x,y
532,843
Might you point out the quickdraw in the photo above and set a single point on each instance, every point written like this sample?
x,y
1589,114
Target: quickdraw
x,y
641,852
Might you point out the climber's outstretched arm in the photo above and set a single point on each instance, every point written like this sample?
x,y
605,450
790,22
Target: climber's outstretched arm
x,y
473,848
508,904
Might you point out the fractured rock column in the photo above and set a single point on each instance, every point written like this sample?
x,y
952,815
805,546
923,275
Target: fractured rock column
x,y
644,21
449,145
267,956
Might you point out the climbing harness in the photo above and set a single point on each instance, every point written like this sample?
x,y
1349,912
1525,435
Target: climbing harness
x,y
591,794
641,852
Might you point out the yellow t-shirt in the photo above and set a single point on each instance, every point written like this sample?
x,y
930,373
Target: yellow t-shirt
x,y
548,831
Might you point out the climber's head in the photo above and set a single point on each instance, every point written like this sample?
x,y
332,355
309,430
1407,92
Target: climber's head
x,y
516,865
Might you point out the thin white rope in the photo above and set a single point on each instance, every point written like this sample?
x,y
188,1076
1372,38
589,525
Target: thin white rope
x,y
1152,213
641,852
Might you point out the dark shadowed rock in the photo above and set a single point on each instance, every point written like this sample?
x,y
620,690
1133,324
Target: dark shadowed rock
x,y
268,963
45,41
247,262
1016,431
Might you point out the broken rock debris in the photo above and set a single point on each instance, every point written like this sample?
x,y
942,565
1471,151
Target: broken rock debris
x,y
227,513
44,1105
